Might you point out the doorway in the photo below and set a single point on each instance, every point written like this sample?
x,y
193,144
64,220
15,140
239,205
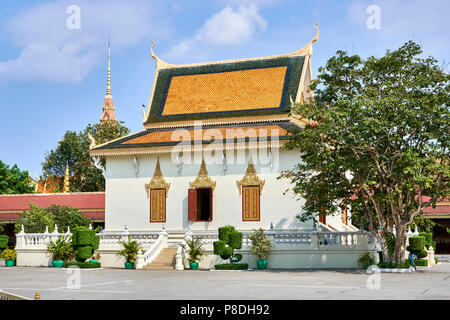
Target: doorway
x,y
204,204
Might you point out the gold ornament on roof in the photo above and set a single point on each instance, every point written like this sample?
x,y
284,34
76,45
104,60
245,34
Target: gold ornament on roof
x,y
250,178
66,179
203,179
158,181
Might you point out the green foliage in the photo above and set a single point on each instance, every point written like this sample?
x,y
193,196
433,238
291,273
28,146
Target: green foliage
x,y
194,249
236,266
366,260
74,149
393,265
3,242
61,248
83,265
421,262
35,220
84,241
66,216
8,254
130,250
2,227
417,246
13,180
423,224
390,241
428,238
229,240
260,243
436,260
383,120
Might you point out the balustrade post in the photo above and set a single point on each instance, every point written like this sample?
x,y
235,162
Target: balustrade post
x,y
362,241
314,240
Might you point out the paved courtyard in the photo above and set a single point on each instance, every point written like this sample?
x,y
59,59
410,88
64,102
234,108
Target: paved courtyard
x,y
425,283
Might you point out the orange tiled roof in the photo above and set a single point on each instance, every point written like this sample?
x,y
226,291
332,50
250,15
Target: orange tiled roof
x,y
225,91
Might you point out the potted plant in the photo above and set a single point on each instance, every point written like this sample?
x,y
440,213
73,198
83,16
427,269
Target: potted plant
x,y
129,252
95,258
195,252
10,256
61,250
366,260
260,246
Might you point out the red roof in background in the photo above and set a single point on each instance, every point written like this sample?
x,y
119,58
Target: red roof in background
x,y
91,204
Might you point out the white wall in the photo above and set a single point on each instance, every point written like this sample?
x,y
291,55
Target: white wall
x,y
127,202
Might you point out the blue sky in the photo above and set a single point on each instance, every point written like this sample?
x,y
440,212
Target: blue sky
x,y
53,79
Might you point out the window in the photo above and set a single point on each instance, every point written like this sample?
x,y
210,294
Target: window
x,y
200,204
157,205
250,203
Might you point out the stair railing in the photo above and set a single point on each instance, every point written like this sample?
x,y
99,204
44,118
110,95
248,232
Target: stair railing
x,y
144,259
179,264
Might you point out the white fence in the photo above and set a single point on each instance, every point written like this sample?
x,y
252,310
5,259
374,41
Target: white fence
x,y
290,249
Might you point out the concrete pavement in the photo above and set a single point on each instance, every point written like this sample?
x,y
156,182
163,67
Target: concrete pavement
x,y
52,283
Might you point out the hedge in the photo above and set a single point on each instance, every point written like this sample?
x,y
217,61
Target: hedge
x,y
83,265
392,265
3,242
421,263
236,266
428,238
436,260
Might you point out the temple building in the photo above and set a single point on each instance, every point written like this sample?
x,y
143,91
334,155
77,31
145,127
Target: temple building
x,y
210,152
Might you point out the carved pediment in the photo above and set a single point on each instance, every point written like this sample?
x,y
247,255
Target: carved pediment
x,y
250,178
203,180
158,181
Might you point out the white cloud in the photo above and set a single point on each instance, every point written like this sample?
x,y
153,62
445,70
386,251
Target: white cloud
x,y
228,27
52,52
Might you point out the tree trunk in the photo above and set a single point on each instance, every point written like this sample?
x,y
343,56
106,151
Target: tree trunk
x,y
400,243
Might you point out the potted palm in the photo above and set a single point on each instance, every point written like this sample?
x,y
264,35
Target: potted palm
x,y
61,250
129,252
10,256
260,246
95,258
195,251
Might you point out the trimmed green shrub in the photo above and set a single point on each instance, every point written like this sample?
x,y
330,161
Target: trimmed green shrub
x,y
428,238
417,246
421,262
229,240
84,241
237,266
433,244
392,265
83,265
3,242
436,260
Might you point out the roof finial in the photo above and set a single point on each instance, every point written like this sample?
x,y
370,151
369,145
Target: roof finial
x,y
317,32
108,85
159,62
307,50
66,179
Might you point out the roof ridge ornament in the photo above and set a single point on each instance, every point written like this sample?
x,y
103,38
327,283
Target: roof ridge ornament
x,y
308,50
159,62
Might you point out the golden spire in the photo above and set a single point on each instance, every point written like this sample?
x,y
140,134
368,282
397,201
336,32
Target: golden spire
x,y
108,85
66,179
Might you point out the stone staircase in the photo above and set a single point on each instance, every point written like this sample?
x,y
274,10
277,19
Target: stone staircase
x,y
164,261
166,258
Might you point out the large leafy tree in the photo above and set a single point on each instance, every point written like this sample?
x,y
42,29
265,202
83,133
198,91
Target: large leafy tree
x,y
74,150
13,180
377,141
36,219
